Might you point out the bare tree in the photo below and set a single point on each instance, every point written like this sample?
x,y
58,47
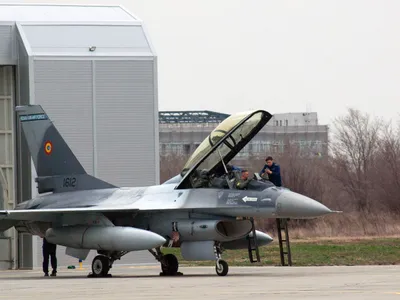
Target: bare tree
x,y
171,165
353,152
388,169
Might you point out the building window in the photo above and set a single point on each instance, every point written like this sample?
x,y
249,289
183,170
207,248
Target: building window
x,y
280,123
276,123
286,122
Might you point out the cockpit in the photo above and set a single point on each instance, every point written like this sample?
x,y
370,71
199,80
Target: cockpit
x,y
227,181
208,165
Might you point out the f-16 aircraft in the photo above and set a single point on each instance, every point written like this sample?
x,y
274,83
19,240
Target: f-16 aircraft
x,y
200,210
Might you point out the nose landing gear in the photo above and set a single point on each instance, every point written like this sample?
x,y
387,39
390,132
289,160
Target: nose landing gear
x,y
221,266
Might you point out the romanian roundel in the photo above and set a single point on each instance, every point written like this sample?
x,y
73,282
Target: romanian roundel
x,y
48,147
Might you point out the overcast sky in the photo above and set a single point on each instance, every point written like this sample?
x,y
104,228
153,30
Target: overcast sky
x,y
281,56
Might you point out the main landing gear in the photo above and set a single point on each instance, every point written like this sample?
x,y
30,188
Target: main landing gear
x,y
221,266
103,262
169,263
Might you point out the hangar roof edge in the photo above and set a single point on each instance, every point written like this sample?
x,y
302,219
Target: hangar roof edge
x,y
64,12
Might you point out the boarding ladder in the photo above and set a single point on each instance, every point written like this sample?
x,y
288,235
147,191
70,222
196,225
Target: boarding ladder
x,y
282,225
252,244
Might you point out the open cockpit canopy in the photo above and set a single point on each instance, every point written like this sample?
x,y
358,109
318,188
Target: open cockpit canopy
x,y
223,143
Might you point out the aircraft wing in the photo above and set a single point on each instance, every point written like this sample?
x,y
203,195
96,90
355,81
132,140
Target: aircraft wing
x,y
52,214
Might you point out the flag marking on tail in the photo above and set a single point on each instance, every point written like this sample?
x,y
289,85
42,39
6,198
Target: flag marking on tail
x,y
48,147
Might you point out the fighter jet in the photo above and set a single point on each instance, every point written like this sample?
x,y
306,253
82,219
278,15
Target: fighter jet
x,y
199,210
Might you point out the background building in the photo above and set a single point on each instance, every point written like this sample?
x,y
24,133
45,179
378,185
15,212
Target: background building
x,y
181,132
94,71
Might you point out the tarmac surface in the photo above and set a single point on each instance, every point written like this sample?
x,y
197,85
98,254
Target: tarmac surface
x,y
144,282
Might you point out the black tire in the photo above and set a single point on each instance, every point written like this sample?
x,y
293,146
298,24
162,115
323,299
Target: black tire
x,y
224,268
170,265
100,266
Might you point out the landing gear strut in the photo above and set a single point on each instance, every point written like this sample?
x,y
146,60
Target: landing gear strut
x,y
103,262
169,263
221,266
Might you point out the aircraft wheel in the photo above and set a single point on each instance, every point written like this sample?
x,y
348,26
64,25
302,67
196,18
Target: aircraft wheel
x,y
100,266
170,265
222,268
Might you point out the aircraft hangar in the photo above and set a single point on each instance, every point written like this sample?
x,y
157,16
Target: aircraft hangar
x,y
94,71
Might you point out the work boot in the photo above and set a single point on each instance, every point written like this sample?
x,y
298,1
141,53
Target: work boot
x,y
54,273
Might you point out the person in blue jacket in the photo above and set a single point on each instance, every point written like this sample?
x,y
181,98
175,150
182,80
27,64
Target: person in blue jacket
x,y
273,171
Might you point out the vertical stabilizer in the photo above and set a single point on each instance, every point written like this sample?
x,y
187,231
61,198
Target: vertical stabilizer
x,y
57,167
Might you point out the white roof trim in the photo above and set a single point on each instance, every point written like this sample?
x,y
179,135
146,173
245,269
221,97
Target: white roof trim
x,y
121,10
57,4
7,23
147,35
81,23
57,56
129,13
24,39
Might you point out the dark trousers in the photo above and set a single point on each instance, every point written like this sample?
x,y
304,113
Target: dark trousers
x,y
53,258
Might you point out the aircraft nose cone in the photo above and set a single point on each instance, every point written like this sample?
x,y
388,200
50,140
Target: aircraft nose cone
x,y
293,205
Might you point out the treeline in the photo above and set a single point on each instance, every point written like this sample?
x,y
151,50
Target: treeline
x,y
360,176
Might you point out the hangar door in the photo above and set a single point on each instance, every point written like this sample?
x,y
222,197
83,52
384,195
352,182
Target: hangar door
x,y
7,94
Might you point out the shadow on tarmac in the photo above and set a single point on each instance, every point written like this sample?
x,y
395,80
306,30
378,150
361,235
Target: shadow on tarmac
x,y
122,276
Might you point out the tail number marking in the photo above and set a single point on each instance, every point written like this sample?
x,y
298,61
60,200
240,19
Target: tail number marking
x,y
69,182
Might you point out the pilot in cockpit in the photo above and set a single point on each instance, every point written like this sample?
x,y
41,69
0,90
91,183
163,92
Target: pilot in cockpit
x,y
232,171
244,180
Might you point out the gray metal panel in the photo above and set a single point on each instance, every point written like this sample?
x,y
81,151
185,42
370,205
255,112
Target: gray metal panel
x,y
125,122
25,251
6,32
77,39
23,185
57,13
64,89
23,72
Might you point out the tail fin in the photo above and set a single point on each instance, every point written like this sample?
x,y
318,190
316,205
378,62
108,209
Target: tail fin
x,y
57,167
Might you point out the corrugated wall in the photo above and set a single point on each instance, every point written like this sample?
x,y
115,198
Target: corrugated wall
x,y
64,89
121,95
6,32
125,122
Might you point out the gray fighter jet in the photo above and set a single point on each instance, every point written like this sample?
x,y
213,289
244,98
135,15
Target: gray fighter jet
x,y
200,210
